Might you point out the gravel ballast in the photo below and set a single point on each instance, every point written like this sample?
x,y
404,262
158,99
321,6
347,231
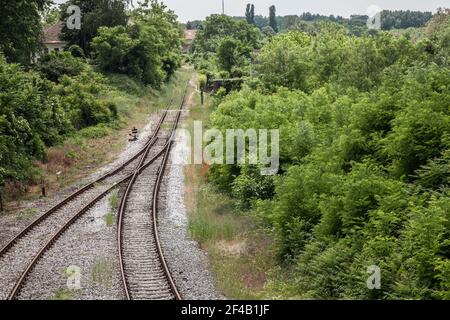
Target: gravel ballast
x,y
12,224
83,263
187,261
88,247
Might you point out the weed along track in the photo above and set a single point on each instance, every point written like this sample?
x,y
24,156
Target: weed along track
x,y
22,254
144,271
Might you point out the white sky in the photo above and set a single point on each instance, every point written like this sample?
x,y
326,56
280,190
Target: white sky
x,y
199,9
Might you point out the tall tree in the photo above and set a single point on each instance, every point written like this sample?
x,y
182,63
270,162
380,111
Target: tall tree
x,y
273,18
227,53
438,29
252,14
247,13
95,14
20,28
148,49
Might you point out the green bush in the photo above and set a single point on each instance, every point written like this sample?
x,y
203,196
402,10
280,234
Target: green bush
x,y
364,149
36,113
31,117
95,132
56,64
80,97
76,51
224,44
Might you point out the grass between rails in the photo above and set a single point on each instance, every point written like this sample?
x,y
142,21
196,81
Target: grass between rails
x,y
86,151
114,202
241,253
102,272
63,294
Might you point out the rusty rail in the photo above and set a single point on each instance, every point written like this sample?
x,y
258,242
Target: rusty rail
x,y
156,189
47,214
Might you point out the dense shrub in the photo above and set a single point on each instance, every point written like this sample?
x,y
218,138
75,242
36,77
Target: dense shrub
x,y
56,64
59,93
31,117
36,113
81,98
223,46
364,149
96,14
298,61
20,29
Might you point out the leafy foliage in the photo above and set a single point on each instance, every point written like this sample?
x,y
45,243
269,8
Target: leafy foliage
x,y
438,29
30,118
96,14
57,64
250,13
20,29
272,18
299,61
45,103
364,149
404,19
148,49
36,113
80,97
233,40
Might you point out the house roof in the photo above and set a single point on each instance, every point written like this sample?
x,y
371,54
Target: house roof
x,y
190,34
52,34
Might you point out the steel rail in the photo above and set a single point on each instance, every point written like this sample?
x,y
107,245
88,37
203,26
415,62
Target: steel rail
x,y
122,210
48,213
19,284
155,224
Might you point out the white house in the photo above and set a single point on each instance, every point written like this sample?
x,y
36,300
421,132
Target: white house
x,y
51,40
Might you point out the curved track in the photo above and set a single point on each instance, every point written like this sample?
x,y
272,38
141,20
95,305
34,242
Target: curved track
x,y
144,271
19,256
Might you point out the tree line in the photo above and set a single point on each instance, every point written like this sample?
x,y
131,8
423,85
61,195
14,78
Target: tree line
x,y
397,19
404,19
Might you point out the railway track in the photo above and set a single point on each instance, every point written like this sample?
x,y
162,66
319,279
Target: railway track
x,y
144,271
19,256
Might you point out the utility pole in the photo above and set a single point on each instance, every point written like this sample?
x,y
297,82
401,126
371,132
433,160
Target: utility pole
x,y
223,6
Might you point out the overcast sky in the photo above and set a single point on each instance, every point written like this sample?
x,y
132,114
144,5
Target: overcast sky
x,y
199,9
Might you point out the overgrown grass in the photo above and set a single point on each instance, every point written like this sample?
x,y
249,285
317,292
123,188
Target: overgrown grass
x,y
102,272
28,213
207,224
171,91
125,83
241,253
95,132
110,219
114,200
